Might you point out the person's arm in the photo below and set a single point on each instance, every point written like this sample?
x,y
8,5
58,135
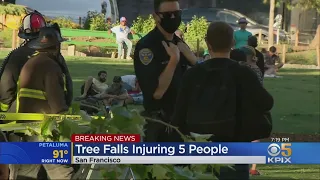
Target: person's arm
x,y
181,106
69,82
252,88
186,51
54,88
165,78
8,86
147,70
124,95
114,29
105,95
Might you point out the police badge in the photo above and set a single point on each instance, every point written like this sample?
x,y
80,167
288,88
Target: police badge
x,y
146,56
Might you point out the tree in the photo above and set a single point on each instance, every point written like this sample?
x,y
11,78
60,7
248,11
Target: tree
x,y
271,21
303,4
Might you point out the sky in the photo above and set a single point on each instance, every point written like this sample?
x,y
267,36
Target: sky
x,y
68,8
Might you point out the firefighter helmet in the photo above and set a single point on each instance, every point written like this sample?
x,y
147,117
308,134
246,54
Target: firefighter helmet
x,y
48,37
31,25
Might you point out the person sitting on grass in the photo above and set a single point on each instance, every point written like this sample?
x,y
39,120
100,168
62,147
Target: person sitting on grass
x,y
252,63
272,62
130,83
94,86
115,95
135,95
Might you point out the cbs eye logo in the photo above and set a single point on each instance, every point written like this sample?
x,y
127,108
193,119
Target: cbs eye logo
x,y
275,149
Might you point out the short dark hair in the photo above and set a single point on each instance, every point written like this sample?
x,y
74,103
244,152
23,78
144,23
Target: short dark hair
x,y
117,79
273,49
102,72
220,37
157,3
253,41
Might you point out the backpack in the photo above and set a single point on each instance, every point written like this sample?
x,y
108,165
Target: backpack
x,y
213,103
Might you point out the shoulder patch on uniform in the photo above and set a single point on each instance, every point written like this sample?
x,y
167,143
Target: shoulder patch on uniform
x,y
146,56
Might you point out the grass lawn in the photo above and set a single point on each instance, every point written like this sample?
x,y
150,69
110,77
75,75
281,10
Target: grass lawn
x,y
296,105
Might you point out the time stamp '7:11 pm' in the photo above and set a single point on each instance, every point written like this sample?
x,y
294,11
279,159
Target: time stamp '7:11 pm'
x,y
280,139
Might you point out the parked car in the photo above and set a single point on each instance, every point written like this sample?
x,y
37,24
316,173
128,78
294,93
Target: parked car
x,y
231,17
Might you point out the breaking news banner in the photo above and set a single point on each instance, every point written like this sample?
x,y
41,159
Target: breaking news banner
x,y
127,149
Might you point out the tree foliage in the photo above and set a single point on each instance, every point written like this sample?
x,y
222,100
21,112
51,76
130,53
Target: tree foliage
x,y
122,121
65,22
12,9
303,4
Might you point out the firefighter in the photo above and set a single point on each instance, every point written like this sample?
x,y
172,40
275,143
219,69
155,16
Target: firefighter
x,y
12,65
41,89
14,62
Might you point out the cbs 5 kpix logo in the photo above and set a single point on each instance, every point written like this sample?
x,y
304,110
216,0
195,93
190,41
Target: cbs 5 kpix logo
x,y
280,154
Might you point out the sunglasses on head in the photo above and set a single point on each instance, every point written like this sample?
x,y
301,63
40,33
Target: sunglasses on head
x,y
169,14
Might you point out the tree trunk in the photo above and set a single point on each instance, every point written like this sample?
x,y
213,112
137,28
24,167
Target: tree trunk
x,y
271,22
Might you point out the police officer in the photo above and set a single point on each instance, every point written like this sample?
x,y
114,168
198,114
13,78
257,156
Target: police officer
x,y
42,90
14,62
160,59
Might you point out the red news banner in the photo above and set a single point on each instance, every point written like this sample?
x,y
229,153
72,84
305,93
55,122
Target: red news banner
x,y
96,138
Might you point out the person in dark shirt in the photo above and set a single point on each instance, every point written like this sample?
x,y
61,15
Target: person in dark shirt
x,y
160,59
253,42
220,41
238,55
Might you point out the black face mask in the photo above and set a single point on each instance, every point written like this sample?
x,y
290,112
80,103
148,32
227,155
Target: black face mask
x,y
169,24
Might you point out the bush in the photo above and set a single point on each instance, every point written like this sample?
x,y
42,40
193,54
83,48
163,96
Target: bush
x,y
304,57
95,21
65,23
12,9
6,37
98,23
143,25
196,29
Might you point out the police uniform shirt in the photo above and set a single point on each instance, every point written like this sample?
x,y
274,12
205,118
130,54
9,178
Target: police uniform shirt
x,y
150,60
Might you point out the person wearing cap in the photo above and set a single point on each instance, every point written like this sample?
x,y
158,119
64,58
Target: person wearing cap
x,y
116,94
241,36
41,89
122,32
15,60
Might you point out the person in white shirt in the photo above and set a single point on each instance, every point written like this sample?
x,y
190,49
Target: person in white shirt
x,y
129,81
94,86
122,32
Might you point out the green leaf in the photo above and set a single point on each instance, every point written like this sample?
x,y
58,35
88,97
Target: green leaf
x,y
201,137
183,173
199,175
47,127
84,116
137,119
159,172
199,167
68,127
140,171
